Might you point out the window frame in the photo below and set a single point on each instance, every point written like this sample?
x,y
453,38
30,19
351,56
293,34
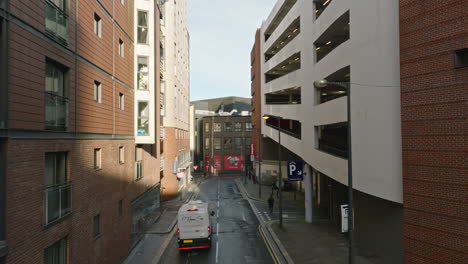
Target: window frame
x,y
142,117
142,27
97,92
58,95
97,25
57,186
54,33
138,163
142,73
121,48
121,154
96,226
97,159
60,247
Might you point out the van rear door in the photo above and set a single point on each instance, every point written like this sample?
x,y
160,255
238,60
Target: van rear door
x,y
193,225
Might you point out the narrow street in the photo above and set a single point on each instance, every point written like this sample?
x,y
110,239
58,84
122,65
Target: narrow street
x,y
236,238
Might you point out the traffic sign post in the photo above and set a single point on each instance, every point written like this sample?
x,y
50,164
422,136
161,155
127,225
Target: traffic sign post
x,y
295,170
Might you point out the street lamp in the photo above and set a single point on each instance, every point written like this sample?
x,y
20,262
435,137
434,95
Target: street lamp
x,y
280,206
346,85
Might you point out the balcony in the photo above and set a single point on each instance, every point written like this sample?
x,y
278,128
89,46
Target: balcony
x,y
334,91
332,139
286,96
282,12
162,164
288,35
289,65
56,115
57,202
287,126
334,36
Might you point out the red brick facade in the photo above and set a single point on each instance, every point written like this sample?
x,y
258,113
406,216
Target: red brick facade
x,y
87,58
255,77
175,143
434,111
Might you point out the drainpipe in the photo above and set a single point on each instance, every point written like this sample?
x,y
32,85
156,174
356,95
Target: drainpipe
x,y
3,125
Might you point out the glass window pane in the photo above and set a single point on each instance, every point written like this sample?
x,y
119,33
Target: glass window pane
x,y
142,35
51,18
143,118
52,204
61,168
49,174
62,27
142,18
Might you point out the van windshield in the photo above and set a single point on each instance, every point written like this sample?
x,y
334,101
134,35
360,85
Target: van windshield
x,y
191,219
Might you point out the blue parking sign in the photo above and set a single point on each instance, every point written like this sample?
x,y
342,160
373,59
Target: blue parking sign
x,y
295,170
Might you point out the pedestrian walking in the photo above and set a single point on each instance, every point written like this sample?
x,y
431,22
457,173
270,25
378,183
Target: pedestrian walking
x,y
271,202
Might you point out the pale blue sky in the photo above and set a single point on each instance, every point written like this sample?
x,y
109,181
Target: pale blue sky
x,y
221,36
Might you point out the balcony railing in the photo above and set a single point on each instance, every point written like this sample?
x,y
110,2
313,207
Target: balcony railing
x,y
162,133
56,115
57,202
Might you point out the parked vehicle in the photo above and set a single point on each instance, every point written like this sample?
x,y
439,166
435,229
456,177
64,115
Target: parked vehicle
x,y
194,226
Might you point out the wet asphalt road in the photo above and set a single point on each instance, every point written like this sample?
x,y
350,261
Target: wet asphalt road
x,y
235,238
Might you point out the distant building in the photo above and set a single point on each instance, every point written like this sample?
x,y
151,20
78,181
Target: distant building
x,y
175,97
223,106
226,144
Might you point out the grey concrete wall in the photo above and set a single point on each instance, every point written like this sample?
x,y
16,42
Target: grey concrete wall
x,y
379,227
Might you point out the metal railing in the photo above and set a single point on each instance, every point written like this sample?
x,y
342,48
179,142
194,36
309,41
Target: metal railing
x,y
331,149
57,202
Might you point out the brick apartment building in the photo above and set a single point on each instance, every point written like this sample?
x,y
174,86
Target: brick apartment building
x,y
255,77
73,175
434,94
226,143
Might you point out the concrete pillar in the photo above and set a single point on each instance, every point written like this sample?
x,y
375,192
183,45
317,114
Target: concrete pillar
x,y
308,193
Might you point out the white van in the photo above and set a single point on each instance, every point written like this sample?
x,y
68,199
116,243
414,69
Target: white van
x,y
194,226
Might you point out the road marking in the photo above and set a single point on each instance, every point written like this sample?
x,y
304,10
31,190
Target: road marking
x,y
217,229
217,213
218,203
243,216
216,251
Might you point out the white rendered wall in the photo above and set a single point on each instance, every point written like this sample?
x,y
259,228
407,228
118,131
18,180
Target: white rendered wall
x,y
373,55
177,69
146,50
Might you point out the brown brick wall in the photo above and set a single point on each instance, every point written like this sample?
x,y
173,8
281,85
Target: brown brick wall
x,y
434,130
172,148
93,192
255,58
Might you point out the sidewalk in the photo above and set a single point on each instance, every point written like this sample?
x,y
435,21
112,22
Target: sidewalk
x,y
318,242
153,244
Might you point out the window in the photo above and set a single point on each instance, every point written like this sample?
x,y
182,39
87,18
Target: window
x,y
121,101
143,119
121,48
248,126
97,92
57,193
97,159
96,226
227,143
57,19
238,142
217,143
120,208
216,127
142,73
461,58
57,253
138,163
142,27
121,154
56,98
248,140
207,143
228,126
97,25
237,127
